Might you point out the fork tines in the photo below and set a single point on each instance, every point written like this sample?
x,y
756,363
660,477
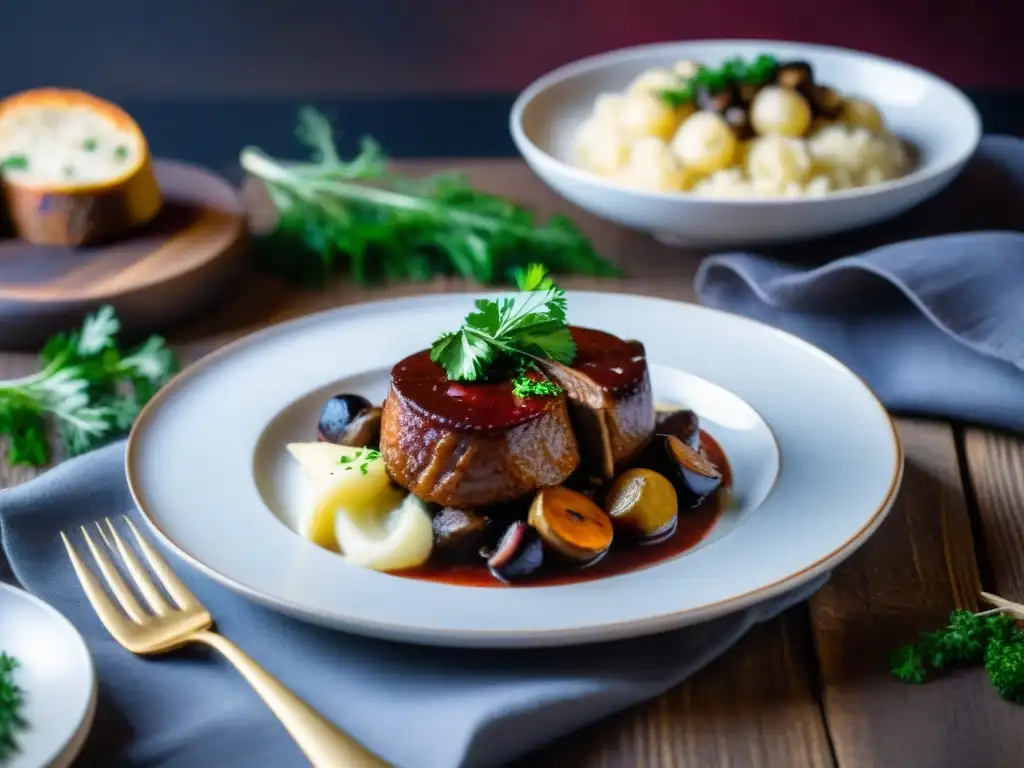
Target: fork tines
x,y
114,547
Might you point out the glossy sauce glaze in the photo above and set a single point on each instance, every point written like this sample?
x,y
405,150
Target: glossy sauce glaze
x,y
615,364
623,557
463,405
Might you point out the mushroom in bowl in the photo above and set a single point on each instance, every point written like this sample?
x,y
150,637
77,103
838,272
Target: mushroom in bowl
x,y
743,142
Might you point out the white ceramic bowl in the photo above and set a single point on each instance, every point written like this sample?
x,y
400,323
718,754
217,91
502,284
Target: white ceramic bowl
x,y
933,117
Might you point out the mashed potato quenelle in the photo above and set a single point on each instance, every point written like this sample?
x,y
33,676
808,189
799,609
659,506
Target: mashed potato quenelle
x,y
745,129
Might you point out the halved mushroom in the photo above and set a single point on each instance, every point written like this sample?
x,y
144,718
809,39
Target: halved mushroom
x,y
349,420
715,101
364,431
738,118
745,93
826,102
459,533
590,404
642,505
519,553
577,385
683,424
570,524
691,473
796,75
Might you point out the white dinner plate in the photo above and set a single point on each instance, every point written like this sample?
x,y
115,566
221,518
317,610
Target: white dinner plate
x,y
816,461
55,673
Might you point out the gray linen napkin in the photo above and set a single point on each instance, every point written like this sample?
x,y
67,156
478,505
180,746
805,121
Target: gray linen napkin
x,y
928,309
418,707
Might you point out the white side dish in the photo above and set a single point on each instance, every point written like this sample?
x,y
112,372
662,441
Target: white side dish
x,y
356,512
771,141
693,185
57,676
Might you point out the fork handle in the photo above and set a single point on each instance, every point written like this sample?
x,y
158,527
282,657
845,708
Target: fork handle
x,y
317,737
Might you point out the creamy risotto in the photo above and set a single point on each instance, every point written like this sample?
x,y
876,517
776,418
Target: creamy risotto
x,y
745,129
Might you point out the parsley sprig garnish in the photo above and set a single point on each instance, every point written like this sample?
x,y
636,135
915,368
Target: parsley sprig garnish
x,y
990,637
511,332
378,226
363,456
733,72
11,703
88,387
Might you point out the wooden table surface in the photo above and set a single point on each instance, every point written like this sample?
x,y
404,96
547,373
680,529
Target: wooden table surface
x,y
810,688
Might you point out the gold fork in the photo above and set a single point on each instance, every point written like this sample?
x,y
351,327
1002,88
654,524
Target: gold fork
x,y
172,626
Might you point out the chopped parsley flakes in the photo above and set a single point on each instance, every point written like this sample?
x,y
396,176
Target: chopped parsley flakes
x,y
360,458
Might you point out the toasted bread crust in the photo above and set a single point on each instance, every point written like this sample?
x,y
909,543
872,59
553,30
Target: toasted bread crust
x,y
73,214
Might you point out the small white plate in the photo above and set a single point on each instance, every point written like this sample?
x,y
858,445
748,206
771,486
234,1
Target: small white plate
x,y
56,675
815,457
936,119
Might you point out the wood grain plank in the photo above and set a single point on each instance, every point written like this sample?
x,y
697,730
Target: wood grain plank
x,y
919,565
756,706
995,464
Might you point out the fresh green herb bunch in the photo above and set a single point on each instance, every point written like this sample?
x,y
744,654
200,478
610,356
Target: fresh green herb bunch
x,y
991,638
733,72
511,334
354,215
11,703
88,387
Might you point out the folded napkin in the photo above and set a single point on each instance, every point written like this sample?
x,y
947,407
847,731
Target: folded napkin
x,y
928,309
417,707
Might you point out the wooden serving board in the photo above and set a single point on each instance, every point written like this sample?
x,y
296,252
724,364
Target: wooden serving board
x,y
182,264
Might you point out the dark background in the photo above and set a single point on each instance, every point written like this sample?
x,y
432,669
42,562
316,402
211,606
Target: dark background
x,y
436,77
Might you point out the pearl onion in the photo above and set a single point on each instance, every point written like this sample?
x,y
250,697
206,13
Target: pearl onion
x,y
652,81
686,68
608,106
646,115
780,112
601,147
858,113
704,143
818,186
652,167
778,158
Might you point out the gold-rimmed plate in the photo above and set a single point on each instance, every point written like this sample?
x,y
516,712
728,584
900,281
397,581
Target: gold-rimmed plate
x,y
815,458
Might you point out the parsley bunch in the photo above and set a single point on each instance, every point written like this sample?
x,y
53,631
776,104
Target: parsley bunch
x,y
733,72
88,387
511,332
11,702
991,638
354,215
